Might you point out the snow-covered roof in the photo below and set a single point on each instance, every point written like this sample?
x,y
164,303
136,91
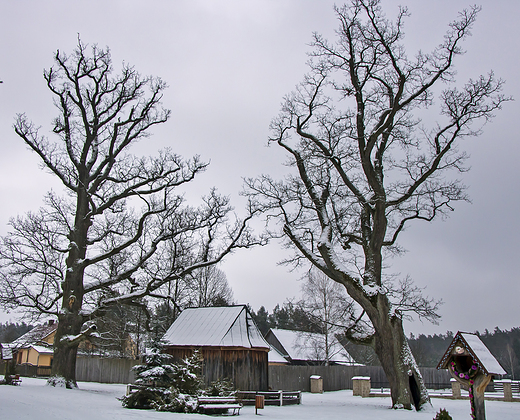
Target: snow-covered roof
x,y
473,345
7,353
43,350
35,336
299,345
229,326
275,356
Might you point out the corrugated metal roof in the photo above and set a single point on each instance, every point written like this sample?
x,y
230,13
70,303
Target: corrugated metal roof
x,y
230,326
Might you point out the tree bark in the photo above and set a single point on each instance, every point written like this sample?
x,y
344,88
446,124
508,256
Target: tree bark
x,y
70,321
406,383
63,371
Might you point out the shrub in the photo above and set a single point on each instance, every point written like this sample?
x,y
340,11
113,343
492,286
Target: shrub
x,y
443,415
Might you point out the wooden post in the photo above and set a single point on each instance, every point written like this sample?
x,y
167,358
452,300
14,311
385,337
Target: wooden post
x,y
361,386
508,390
455,389
478,407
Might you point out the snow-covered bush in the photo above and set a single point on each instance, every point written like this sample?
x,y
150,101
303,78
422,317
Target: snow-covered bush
x,y
167,386
221,388
443,415
153,379
172,400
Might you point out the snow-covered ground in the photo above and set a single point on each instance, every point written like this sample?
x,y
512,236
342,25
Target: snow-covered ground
x,y
33,400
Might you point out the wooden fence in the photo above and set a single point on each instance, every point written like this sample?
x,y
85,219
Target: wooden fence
x,y
287,378
297,378
109,371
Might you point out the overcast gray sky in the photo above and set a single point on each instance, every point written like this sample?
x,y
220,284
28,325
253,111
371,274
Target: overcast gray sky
x,y
228,64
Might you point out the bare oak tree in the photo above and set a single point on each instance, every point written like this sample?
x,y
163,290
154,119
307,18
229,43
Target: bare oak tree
x,y
366,166
122,233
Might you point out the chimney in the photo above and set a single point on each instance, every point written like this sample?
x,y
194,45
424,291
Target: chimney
x,y
51,322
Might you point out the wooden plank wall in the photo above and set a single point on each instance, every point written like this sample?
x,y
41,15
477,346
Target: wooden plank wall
x,y
296,378
108,371
247,369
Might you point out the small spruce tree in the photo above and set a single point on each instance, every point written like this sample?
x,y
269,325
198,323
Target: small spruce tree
x,y
154,377
443,415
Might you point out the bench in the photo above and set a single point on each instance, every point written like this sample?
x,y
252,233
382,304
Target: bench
x,y
16,380
270,397
218,405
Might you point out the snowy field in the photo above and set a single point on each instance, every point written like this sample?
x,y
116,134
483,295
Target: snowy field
x,y
33,400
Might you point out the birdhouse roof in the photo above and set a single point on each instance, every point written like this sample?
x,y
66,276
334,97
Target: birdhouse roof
x,y
473,345
230,326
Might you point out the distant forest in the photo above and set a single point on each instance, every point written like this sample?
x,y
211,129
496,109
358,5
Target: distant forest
x,y
10,332
427,349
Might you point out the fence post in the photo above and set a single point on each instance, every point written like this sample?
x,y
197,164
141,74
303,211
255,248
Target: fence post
x,y
508,390
281,397
455,388
361,386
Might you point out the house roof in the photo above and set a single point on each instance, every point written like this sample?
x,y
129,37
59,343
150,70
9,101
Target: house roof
x,y
300,345
35,336
473,345
275,356
230,326
43,349
6,352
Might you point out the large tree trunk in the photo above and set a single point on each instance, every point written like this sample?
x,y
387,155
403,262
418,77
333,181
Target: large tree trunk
x,y
64,361
406,383
70,321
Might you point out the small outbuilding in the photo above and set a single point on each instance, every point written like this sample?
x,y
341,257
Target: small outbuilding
x,y
229,342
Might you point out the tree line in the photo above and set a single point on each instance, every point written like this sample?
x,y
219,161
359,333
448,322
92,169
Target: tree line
x,y
10,331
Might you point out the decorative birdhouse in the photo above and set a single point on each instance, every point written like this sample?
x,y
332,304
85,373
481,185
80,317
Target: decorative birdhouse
x,y
471,363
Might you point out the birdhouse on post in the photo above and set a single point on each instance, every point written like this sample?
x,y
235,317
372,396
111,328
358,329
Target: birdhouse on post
x,y
471,363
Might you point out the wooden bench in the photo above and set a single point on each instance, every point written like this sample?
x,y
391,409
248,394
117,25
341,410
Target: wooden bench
x,y
219,405
271,397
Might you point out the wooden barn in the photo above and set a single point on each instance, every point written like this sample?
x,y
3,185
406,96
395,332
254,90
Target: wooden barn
x,y
229,342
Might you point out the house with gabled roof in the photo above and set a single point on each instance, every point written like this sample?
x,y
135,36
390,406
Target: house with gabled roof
x,y
34,348
305,348
228,341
